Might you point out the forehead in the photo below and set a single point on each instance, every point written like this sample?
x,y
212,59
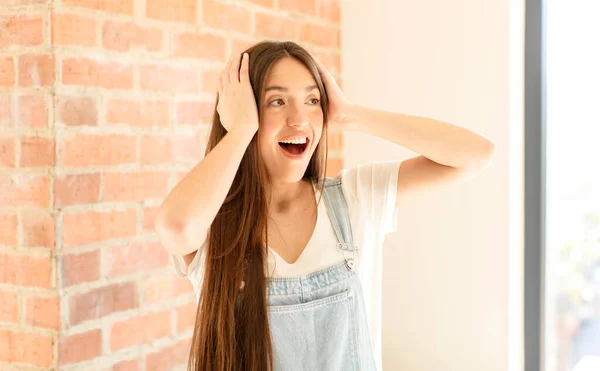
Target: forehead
x,y
290,73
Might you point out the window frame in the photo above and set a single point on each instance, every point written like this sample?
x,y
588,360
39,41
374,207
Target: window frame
x,y
535,185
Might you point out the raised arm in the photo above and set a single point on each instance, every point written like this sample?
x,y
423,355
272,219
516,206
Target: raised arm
x,y
187,213
448,153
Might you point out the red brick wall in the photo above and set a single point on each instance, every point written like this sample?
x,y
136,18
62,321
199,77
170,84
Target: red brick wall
x,y
104,105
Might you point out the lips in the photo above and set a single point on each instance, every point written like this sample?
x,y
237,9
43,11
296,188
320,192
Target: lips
x,y
294,150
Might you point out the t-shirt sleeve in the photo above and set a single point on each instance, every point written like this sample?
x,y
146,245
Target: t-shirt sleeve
x,y
196,264
374,187
195,271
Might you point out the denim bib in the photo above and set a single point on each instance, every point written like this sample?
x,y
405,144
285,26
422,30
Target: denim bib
x,y
318,321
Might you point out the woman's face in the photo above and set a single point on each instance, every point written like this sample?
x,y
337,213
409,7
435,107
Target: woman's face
x,y
291,120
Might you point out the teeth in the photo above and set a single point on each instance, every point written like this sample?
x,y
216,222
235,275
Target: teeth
x,y
294,140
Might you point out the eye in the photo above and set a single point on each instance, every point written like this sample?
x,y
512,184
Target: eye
x,y
276,102
314,101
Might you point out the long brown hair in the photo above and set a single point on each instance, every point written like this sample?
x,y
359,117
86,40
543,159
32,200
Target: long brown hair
x,y
232,331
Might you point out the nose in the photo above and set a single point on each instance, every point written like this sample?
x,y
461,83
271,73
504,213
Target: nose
x,y
296,117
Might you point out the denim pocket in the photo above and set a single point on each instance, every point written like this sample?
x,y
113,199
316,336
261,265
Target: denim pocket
x,y
317,335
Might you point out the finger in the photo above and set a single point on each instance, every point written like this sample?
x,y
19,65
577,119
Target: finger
x,y
244,68
225,73
220,86
234,74
322,69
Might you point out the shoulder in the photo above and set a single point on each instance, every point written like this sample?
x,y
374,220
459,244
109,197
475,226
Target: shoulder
x,y
364,184
375,177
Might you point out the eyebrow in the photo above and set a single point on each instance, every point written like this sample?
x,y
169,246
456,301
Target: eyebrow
x,y
282,89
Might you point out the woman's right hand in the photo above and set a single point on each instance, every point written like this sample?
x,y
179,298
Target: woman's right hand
x,y
236,105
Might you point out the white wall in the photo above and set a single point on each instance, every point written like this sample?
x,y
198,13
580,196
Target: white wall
x,y
452,272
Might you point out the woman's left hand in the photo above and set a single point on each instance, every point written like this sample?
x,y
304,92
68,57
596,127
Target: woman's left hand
x,y
337,114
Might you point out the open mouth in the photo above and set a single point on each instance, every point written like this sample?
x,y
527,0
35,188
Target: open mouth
x,y
294,149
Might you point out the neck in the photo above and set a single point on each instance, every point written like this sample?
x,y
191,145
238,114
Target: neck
x,y
285,195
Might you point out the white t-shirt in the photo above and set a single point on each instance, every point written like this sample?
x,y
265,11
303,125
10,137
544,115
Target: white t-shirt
x,y
370,192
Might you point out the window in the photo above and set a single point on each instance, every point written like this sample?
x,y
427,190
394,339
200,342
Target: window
x,y
562,295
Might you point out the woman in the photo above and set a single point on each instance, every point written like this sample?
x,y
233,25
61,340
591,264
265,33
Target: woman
x,y
278,274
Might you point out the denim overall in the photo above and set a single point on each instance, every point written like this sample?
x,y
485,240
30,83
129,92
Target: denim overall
x,y
318,321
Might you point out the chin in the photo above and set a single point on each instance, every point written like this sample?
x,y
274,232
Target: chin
x,y
289,177
287,174
284,170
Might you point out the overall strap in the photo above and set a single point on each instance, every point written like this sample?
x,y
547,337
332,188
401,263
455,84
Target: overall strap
x,y
337,209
